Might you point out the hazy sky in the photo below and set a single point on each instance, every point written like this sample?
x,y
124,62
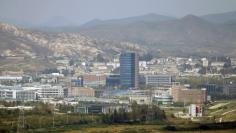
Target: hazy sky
x,y
81,11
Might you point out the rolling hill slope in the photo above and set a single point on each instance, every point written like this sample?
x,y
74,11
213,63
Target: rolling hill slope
x,y
16,41
188,35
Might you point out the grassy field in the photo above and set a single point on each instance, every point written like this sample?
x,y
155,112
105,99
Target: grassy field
x,y
77,123
225,110
138,129
221,109
219,105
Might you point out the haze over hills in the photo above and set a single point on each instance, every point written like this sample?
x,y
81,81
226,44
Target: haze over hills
x,y
57,21
151,17
62,27
162,35
221,18
188,35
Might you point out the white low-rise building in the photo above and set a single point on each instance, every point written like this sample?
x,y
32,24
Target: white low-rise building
x,y
48,91
28,95
31,93
157,80
7,94
217,64
11,78
163,99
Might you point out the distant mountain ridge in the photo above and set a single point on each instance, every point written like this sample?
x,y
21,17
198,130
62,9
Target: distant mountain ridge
x,y
62,22
151,17
157,34
221,18
190,35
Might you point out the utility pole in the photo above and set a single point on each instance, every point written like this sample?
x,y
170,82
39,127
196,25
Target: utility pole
x,y
67,119
53,123
40,122
21,121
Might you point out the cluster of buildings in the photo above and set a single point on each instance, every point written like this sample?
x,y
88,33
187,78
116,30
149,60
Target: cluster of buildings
x,y
31,93
103,86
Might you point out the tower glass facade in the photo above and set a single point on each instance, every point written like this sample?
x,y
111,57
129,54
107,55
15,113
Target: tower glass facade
x,y
129,69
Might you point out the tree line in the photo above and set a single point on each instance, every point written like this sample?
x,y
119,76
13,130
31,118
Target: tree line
x,y
139,113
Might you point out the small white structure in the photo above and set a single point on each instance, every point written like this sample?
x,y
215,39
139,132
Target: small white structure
x,y
205,62
164,99
143,64
141,99
195,110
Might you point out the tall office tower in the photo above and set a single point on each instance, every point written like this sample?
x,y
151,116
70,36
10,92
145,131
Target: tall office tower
x,y
129,69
